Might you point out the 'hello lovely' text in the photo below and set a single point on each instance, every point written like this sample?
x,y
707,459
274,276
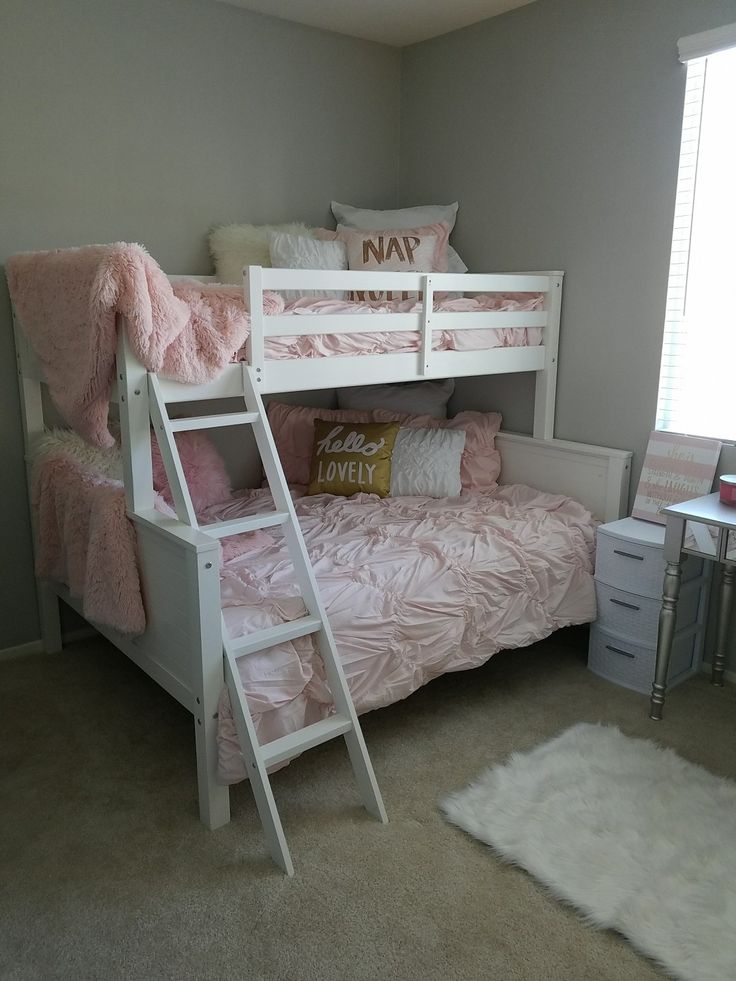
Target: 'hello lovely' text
x,y
348,471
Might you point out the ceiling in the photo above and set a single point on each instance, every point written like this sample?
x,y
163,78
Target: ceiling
x,y
395,22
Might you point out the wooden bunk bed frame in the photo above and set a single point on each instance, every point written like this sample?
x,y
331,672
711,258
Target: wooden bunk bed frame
x,y
182,646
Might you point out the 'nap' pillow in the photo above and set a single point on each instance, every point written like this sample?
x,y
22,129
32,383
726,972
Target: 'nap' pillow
x,y
203,467
428,398
299,252
293,431
234,246
426,214
395,250
481,462
351,458
426,463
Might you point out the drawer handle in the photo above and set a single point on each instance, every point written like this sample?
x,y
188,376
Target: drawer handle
x,y
629,606
628,555
617,650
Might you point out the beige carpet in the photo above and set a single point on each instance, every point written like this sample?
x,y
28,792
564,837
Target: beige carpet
x,y
105,871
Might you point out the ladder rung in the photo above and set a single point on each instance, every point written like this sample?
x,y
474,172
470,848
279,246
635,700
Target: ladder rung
x,y
212,422
296,742
261,640
222,529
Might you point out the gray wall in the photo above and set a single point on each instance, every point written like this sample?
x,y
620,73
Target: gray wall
x,y
151,120
557,127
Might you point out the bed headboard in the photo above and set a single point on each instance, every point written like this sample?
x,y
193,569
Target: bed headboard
x,y
596,476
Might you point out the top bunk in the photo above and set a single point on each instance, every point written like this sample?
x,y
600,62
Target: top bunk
x,y
437,325
296,330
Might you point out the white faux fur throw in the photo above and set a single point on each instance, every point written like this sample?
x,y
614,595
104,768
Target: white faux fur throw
x,y
638,839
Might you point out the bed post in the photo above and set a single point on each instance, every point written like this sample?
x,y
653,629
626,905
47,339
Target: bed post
x,y
425,342
255,344
31,406
546,384
135,426
207,682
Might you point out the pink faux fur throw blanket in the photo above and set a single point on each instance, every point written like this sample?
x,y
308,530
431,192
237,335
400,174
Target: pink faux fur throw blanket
x,y
86,541
68,299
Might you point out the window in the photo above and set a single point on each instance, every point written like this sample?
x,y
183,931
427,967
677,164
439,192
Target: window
x,y
698,372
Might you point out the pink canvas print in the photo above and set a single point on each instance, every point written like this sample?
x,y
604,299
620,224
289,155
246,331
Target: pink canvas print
x,y
676,468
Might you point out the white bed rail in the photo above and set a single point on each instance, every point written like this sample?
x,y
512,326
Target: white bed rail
x,y
334,371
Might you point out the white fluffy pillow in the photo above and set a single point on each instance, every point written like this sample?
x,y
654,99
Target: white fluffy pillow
x,y
426,463
100,460
299,252
370,220
235,246
427,398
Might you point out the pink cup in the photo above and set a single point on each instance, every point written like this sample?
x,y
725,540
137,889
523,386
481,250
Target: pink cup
x,y
728,489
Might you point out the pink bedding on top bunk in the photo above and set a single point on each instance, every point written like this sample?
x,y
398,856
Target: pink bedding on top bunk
x,y
380,342
68,300
414,587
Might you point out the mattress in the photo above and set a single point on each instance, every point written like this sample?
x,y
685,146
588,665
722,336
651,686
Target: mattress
x,y
413,587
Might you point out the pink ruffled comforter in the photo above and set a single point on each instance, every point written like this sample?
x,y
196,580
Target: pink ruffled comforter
x,y
414,587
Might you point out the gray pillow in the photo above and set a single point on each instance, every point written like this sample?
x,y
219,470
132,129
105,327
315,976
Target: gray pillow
x,y
427,398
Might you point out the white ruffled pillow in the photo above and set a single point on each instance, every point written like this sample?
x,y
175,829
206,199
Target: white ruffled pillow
x,y
426,463
299,252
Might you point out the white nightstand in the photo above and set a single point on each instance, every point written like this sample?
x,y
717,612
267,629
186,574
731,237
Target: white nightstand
x,y
629,572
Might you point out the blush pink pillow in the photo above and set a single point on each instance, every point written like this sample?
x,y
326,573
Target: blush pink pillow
x,y
204,469
480,465
293,431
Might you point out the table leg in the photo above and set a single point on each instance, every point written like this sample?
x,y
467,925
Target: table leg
x,y
724,617
674,535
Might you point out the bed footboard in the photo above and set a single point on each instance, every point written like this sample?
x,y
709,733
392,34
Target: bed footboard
x,y
181,648
596,476
182,645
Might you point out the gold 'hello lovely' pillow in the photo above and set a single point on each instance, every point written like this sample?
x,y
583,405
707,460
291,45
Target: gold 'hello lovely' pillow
x,y
350,458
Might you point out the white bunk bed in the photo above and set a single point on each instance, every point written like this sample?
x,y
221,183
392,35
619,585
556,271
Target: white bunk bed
x,y
182,646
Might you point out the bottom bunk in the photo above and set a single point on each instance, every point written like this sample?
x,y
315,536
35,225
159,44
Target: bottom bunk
x,y
413,587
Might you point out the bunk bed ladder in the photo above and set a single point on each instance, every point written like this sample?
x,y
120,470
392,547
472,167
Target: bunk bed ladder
x,y
344,722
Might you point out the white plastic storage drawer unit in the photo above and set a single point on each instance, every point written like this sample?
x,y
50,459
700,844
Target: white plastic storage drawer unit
x,y
629,574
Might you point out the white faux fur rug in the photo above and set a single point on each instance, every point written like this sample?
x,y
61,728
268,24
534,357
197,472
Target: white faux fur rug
x,y
632,835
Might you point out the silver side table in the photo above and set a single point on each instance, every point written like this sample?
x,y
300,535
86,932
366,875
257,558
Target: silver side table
x,y
710,523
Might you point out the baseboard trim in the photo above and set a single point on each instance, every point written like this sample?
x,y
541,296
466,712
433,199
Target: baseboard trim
x,y
730,676
21,650
36,646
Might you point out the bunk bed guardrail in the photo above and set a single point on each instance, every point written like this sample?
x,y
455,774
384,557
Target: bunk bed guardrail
x,y
294,375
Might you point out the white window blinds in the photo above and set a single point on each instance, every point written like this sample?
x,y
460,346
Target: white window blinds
x,y
699,349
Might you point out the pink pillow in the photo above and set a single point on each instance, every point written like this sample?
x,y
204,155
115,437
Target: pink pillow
x,y
204,469
293,430
480,465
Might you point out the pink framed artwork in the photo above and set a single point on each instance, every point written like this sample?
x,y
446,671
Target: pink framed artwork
x,y
676,468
